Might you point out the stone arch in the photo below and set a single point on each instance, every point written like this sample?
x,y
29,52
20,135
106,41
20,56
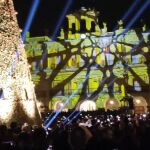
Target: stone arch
x,y
140,104
86,105
111,104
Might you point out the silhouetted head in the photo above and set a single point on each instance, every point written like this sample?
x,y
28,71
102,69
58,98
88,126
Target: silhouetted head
x,y
77,138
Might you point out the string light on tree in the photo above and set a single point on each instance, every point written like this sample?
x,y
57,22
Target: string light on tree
x,y
18,102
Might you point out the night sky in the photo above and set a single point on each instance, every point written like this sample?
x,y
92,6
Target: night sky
x,y
50,11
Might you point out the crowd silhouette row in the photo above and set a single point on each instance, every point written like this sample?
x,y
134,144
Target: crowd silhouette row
x,y
87,131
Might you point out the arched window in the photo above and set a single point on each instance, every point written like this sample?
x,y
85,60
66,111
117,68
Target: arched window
x,y
87,105
111,104
92,26
82,26
73,28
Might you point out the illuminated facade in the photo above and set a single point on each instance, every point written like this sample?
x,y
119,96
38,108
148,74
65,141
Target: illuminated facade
x,y
79,67
17,95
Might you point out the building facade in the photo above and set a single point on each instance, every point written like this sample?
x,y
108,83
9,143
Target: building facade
x,y
87,62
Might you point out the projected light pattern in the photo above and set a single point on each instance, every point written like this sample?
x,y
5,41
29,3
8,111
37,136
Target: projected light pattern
x,y
66,102
50,119
59,23
73,59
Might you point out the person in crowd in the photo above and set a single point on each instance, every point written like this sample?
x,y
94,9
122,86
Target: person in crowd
x,y
95,130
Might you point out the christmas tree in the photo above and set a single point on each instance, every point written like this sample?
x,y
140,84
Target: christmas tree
x,y
17,96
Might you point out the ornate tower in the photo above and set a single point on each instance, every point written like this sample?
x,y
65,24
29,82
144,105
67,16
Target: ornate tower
x,y
17,97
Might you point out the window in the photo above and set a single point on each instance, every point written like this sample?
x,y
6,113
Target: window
x,y
92,26
82,26
135,59
109,58
58,58
73,28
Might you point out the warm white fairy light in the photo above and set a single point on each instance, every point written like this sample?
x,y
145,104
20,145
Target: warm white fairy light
x,y
15,77
88,105
6,110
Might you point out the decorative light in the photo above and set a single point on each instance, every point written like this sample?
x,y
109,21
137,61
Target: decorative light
x,y
87,105
105,39
58,105
15,77
137,101
83,36
1,1
111,102
91,60
6,110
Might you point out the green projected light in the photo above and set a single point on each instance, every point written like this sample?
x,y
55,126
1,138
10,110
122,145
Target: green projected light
x,y
115,69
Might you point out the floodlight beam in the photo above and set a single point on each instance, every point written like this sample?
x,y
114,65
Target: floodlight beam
x,y
69,116
30,18
133,20
59,23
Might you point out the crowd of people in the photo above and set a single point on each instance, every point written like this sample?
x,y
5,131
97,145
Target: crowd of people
x,y
81,131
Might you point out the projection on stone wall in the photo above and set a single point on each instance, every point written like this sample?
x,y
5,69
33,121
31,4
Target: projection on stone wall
x,y
87,62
